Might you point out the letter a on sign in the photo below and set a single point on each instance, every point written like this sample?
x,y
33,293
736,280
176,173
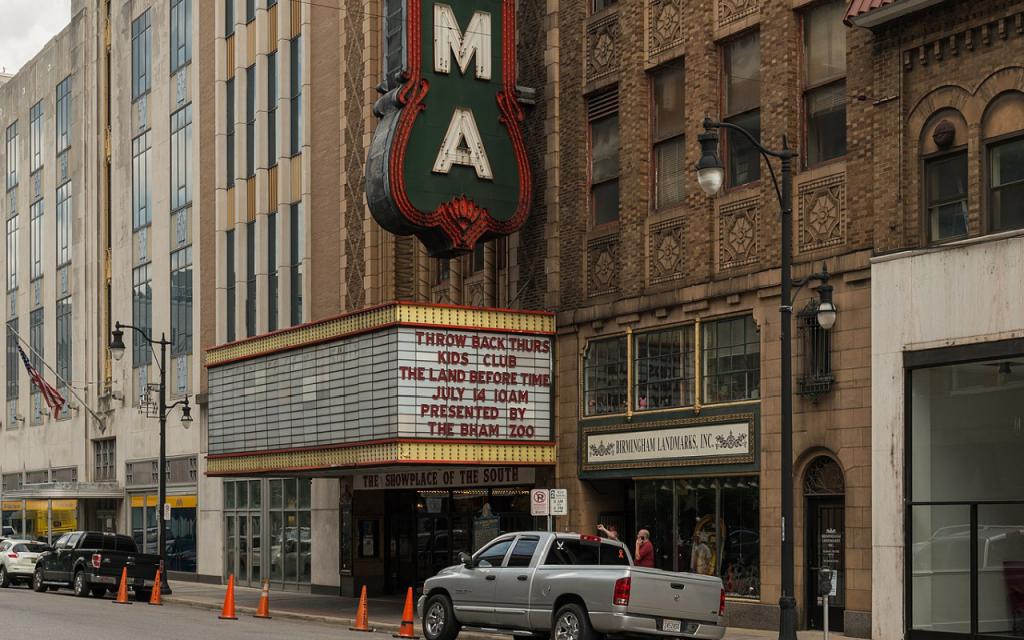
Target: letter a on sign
x,y
447,161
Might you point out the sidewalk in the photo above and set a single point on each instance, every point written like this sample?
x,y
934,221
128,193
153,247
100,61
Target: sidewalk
x,y
385,612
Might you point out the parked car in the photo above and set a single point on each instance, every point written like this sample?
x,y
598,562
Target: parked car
x,y
18,560
90,562
571,586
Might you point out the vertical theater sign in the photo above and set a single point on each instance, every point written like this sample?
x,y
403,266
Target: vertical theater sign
x,y
447,161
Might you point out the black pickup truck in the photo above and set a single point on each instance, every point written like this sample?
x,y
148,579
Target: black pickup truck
x,y
90,562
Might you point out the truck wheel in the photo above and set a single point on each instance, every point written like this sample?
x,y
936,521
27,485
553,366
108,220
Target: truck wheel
x,y
573,623
439,619
5,580
80,585
37,581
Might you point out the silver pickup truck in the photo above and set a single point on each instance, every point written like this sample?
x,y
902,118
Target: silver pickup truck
x,y
571,587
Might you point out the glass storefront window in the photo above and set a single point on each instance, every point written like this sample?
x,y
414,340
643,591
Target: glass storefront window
x,y
705,525
10,518
181,529
269,538
37,520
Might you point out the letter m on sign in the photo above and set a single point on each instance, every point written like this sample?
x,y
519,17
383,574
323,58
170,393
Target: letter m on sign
x,y
450,40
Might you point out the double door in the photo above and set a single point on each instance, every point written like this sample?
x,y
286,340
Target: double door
x,y
243,547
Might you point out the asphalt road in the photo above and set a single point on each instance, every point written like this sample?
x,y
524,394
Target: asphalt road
x,y
27,614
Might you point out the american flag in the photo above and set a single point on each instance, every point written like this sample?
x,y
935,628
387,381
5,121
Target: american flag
x,y
53,399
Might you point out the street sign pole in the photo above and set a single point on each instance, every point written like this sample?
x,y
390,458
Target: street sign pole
x,y
824,600
549,523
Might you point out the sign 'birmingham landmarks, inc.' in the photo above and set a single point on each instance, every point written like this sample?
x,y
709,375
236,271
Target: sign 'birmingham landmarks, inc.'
x,y
447,161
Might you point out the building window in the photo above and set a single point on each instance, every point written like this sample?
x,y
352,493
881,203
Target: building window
x,y
664,368
64,224
36,240
250,121
600,5
296,94
142,314
13,359
272,111
141,213
732,360
825,81
229,17
946,196
668,135
477,259
250,279
181,157
296,254
250,10
64,114
442,271
142,36
1006,184
181,302
12,253
12,155
35,139
37,343
104,460
394,41
229,241
272,286
230,88
603,114
743,107
181,33
605,370
64,347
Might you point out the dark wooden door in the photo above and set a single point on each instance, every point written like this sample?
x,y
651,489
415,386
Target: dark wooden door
x,y
826,538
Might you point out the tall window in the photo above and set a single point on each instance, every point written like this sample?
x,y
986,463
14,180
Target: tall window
x,y
272,286
142,313
35,340
13,359
12,253
181,302
141,212
64,224
250,121
230,250
250,279
250,10
104,460
603,114
272,95
743,107
669,142
605,371
394,41
1006,184
664,364
732,360
36,240
825,81
142,39
230,88
603,4
64,344
296,255
296,94
181,157
35,141
181,33
12,155
229,17
63,114
946,196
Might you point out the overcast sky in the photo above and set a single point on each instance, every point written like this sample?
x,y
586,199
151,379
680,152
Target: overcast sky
x,y
27,25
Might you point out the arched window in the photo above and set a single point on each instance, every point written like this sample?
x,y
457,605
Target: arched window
x,y
1004,162
944,176
824,477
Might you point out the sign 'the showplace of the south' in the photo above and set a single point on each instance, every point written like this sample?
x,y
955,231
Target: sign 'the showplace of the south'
x,y
447,161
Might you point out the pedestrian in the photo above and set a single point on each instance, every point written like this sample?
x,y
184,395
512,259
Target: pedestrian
x,y
644,549
701,557
611,532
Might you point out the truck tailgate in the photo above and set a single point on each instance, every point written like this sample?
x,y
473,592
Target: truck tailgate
x,y
680,596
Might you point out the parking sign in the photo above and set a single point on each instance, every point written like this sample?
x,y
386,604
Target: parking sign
x,y
539,505
559,501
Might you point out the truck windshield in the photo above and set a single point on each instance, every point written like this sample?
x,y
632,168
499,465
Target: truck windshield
x,y
567,551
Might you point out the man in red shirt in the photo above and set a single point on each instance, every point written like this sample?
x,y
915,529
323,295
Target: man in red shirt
x,y
644,549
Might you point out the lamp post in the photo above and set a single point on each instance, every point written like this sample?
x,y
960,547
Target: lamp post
x,y
710,176
117,351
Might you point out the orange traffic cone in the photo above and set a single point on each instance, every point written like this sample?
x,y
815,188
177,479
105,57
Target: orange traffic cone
x,y
362,617
263,610
408,628
228,612
154,597
122,591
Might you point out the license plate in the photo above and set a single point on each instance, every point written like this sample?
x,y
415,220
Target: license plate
x,y
672,626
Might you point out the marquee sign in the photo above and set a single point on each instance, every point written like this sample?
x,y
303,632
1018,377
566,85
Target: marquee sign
x,y
447,160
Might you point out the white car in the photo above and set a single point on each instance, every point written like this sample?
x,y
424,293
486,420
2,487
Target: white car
x,y
18,560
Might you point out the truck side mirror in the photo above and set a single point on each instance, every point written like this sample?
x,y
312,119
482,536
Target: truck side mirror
x,y
824,582
466,560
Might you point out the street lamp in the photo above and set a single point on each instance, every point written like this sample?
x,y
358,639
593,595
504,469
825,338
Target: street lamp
x,y
117,350
710,176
